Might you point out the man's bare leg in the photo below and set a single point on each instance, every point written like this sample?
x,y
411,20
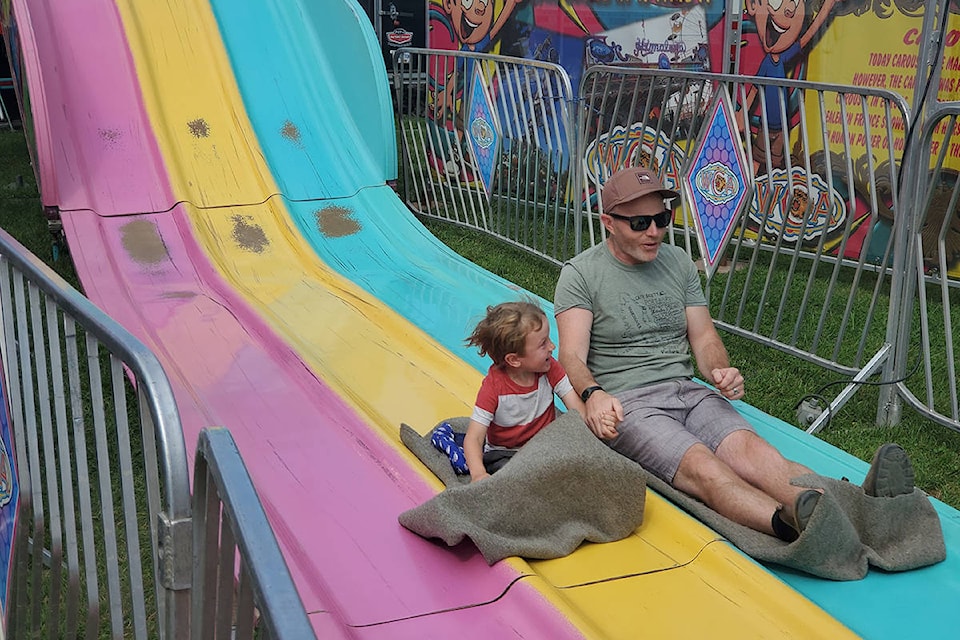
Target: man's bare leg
x,y
712,481
761,465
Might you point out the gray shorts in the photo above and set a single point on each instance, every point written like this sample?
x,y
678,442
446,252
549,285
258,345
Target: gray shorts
x,y
663,420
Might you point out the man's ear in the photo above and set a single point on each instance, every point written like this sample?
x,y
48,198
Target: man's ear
x,y
607,222
512,360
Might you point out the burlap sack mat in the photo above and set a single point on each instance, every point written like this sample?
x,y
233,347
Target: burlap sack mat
x,y
561,488
565,486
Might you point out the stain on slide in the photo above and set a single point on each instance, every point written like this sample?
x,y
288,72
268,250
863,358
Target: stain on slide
x,y
249,237
110,137
199,128
335,222
142,242
291,133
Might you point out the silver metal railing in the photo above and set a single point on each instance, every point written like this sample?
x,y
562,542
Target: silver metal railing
x,y
807,268
104,500
96,520
484,142
232,531
927,332
811,263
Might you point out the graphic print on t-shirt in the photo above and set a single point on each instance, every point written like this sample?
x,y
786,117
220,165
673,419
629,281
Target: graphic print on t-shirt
x,y
652,319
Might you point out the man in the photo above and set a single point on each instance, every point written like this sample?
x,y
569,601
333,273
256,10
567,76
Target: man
x,y
630,311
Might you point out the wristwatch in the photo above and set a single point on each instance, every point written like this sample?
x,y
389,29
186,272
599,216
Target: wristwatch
x,y
586,393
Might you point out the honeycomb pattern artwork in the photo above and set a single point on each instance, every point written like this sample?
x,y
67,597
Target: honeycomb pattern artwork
x,y
717,183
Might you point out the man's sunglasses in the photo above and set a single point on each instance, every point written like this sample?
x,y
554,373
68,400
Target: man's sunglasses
x,y
642,223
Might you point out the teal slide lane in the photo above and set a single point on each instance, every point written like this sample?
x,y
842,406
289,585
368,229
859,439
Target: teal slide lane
x,y
335,191
305,69
319,104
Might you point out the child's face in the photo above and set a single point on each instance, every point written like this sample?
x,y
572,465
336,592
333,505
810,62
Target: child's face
x,y
537,350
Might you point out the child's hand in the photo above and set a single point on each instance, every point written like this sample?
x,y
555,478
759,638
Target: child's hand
x,y
604,425
478,477
608,425
604,413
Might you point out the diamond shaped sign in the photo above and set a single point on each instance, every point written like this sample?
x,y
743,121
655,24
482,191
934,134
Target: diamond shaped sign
x,y
483,130
716,182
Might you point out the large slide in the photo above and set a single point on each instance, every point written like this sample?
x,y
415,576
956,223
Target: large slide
x,y
220,167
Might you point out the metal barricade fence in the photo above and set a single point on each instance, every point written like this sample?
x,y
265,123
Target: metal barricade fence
x,y
100,461
95,505
235,546
808,266
928,341
484,142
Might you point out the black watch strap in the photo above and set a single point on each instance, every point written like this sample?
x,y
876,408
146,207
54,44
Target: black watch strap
x,y
586,393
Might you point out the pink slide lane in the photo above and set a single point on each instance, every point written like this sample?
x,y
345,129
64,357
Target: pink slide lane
x,y
331,488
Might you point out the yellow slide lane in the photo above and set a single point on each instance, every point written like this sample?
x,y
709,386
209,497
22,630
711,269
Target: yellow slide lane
x,y
392,372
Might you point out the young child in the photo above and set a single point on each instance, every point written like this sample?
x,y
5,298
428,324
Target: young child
x,y
515,399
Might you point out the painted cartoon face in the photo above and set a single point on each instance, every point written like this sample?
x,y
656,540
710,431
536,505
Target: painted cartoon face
x,y
471,19
798,206
779,23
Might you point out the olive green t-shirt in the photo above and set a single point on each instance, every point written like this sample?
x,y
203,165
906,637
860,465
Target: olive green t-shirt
x,y
639,333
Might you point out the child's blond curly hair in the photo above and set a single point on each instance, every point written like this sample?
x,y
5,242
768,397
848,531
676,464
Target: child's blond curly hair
x,y
504,329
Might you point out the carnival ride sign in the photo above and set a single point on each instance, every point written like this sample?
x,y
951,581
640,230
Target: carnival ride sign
x,y
717,182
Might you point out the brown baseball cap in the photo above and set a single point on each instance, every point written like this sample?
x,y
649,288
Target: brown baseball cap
x,y
632,183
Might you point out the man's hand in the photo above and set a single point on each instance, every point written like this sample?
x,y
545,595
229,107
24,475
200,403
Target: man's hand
x,y
604,413
728,382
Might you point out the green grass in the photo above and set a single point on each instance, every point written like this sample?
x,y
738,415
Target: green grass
x,y
776,381
21,214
